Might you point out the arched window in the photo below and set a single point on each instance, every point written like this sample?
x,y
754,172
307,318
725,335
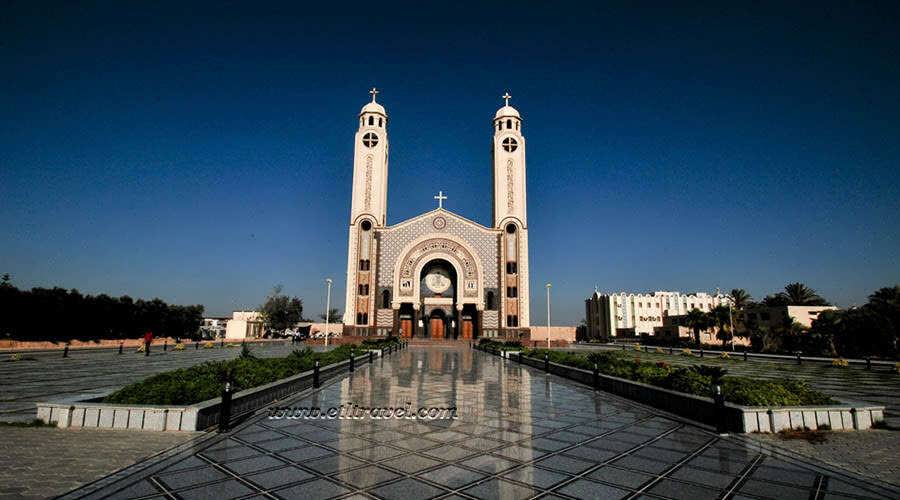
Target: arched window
x,y
379,122
499,125
386,299
490,301
517,125
371,120
508,123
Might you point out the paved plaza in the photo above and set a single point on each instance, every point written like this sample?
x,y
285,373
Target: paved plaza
x,y
86,373
520,434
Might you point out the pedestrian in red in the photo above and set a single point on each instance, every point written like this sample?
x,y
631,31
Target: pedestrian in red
x,y
148,338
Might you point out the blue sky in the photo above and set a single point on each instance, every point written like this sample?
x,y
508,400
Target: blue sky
x,y
203,153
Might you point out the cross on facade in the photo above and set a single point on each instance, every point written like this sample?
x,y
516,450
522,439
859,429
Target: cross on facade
x,y
440,198
374,92
507,97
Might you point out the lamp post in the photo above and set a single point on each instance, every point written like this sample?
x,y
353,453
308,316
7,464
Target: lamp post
x,y
548,314
327,309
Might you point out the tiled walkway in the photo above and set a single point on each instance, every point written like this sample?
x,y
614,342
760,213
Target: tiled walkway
x,y
521,434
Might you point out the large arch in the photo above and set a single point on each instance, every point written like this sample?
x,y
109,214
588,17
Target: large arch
x,y
429,247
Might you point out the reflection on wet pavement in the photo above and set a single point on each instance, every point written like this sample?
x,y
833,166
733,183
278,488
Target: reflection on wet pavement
x,y
519,434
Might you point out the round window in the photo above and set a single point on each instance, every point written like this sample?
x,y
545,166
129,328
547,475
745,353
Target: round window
x,y
510,144
510,228
366,225
370,140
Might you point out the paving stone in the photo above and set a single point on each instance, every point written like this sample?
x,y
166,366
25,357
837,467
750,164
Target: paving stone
x,y
406,489
452,476
278,477
318,489
500,489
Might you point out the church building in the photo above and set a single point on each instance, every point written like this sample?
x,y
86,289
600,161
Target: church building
x,y
437,275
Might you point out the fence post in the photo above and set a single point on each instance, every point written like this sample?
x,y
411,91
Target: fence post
x,y
146,348
745,353
316,374
165,345
121,344
546,362
868,363
721,415
225,409
352,361
221,343
196,345
596,377
371,357
799,361
670,350
66,351
701,352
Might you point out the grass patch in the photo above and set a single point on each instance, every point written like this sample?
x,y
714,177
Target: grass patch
x,y
810,436
31,423
696,379
204,381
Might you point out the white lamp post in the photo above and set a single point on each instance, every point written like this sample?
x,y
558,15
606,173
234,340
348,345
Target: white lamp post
x,y
327,309
548,314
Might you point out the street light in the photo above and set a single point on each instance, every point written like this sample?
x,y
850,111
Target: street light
x,y
548,314
327,309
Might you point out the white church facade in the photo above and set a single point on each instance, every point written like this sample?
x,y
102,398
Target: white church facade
x,y
437,275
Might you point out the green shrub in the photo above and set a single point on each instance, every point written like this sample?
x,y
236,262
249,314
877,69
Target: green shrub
x,y
202,382
698,380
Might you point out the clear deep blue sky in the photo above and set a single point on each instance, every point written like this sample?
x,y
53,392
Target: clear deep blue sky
x,y
203,154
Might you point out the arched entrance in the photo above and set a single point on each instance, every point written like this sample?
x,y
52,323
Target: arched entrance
x,y
437,299
437,324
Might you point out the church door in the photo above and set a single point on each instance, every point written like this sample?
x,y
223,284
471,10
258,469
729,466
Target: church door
x,y
406,325
437,328
467,328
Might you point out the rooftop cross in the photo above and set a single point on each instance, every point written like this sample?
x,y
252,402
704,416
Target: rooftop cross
x,y
506,97
374,92
440,198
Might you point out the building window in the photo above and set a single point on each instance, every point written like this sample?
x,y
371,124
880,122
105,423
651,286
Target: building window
x,y
371,120
512,320
364,264
511,228
386,299
379,122
364,289
370,139
362,318
511,268
508,123
510,145
490,301
511,291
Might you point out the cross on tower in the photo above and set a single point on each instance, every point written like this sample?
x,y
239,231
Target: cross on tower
x,y
374,92
440,198
506,97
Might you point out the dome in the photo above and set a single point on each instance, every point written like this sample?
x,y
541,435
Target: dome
x,y
507,111
373,107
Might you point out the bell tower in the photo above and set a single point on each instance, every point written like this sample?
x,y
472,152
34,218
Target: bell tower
x,y
510,214
367,213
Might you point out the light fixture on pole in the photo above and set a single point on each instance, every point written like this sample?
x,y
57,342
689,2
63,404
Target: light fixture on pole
x,y
548,314
327,308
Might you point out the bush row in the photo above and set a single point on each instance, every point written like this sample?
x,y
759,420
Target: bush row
x,y
698,379
499,345
204,381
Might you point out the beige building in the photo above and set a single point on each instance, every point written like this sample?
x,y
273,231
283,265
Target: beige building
x,y
437,275
634,314
769,317
244,325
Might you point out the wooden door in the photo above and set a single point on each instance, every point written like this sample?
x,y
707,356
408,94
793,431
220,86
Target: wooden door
x,y
406,324
467,328
437,328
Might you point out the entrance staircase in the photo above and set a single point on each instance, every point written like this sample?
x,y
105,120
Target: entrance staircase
x,y
420,342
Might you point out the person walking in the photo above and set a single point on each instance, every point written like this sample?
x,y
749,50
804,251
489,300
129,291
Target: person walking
x,y
148,338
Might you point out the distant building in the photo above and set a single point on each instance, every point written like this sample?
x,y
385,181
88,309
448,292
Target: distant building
x,y
674,329
634,314
213,328
245,325
773,317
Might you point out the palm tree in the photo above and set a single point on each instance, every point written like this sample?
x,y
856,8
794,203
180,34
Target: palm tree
x,y
333,316
798,294
696,320
740,298
720,319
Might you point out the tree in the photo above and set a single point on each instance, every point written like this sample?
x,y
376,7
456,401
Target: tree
x,y
798,294
334,316
719,318
280,312
740,298
696,320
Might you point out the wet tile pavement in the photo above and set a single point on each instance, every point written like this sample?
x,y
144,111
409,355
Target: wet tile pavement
x,y
520,434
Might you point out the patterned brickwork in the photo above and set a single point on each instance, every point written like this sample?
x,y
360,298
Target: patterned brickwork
x,y
395,238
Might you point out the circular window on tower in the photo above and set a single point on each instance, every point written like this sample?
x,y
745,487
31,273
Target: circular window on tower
x,y
370,140
366,225
510,228
510,144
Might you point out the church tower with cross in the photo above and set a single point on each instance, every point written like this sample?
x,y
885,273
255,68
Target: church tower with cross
x,y
437,275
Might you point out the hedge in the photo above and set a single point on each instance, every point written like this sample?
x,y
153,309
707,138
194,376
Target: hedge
x,y
698,380
198,383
